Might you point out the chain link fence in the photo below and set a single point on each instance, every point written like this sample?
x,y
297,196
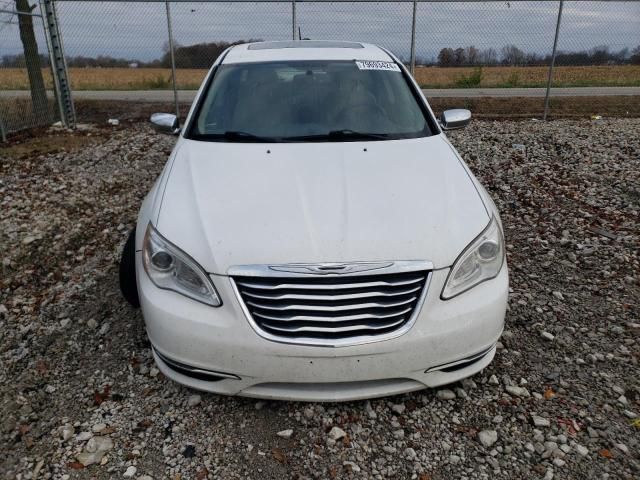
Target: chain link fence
x,y
119,46
27,97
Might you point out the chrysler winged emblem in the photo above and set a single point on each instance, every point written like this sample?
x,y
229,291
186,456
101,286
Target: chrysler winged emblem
x,y
330,268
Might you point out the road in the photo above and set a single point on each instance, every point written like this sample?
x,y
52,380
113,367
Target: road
x,y
187,95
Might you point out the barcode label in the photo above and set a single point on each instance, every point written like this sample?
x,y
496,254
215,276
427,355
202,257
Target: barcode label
x,y
376,65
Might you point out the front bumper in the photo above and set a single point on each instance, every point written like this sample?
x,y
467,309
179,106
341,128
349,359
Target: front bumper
x,y
449,341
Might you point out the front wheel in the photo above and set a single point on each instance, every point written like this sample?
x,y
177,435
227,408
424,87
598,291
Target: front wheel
x,y
128,285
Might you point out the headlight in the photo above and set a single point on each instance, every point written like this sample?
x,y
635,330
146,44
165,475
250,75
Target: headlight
x,y
170,268
480,261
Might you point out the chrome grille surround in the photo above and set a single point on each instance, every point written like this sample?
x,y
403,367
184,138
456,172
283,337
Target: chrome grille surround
x,y
332,304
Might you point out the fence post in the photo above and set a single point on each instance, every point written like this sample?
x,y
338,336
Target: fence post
x,y
412,66
173,60
553,61
294,20
58,63
3,134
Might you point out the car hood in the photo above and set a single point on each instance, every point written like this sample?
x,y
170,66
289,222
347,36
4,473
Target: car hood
x,y
229,204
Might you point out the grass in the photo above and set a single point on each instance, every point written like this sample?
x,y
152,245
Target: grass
x,y
471,81
427,77
448,77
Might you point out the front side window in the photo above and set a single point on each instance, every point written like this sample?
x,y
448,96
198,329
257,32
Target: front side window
x,y
308,101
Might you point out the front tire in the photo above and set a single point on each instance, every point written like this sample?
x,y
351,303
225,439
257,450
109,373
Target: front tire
x,y
128,285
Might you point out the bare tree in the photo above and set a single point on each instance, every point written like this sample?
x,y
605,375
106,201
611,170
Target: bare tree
x,y
489,56
32,60
512,55
635,55
445,57
459,56
472,54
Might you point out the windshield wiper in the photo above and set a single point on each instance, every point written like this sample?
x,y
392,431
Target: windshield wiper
x,y
236,136
247,137
345,134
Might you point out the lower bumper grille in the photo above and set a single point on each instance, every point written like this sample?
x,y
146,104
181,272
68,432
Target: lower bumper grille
x,y
330,308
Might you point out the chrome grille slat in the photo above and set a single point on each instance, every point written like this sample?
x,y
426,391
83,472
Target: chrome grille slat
x,y
341,318
319,286
332,329
344,296
331,308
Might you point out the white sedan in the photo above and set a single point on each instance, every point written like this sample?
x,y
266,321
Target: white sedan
x,y
314,235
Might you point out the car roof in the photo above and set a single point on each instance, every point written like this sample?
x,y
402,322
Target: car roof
x,y
305,50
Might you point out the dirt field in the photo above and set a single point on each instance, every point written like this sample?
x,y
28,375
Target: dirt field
x,y
428,77
487,107
561,398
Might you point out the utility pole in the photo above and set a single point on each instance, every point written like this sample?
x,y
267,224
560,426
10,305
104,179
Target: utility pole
x,y
32,60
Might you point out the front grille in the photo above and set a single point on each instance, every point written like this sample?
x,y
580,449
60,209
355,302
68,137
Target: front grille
x,y
332,307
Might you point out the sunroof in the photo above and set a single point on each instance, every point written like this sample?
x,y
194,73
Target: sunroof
x,y
302,44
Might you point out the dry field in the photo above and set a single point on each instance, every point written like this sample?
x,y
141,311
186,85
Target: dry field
x,y
109,78
432,77
444,77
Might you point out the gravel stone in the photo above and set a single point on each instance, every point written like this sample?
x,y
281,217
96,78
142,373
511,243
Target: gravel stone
x,y
337,433
623,448
98,427
517,391
66,433
130,472
582,450
84,436
410,453
547,336
570,205
446,394
488,437
285,433
95,450
540,421
352,466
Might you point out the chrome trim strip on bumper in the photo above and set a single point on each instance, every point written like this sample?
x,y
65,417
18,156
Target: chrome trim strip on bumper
x,y
194,372
462,363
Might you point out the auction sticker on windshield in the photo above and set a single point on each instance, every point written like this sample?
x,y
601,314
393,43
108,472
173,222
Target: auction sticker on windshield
x,y
377,65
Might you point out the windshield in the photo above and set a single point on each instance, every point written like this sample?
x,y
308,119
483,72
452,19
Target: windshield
x,y
309,101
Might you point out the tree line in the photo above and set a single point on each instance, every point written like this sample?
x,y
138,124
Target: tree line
x,y
202,55
514,56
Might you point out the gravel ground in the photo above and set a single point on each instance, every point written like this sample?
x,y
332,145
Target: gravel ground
x,y
561,399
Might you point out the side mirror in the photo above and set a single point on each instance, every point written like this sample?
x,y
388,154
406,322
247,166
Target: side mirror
x,y
454,119
165,123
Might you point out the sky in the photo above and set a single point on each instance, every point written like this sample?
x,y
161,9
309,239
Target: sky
x,y
139,30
